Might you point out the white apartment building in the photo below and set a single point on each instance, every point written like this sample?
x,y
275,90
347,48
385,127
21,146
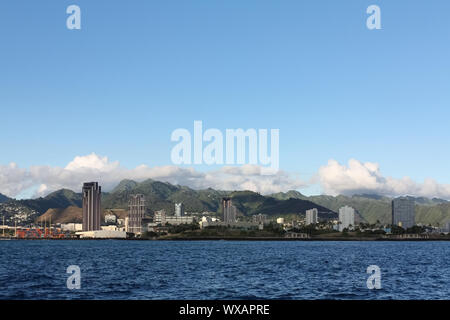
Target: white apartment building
x,y
346,217
312,216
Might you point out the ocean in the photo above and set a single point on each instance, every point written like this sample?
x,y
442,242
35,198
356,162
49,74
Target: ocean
x,y
117,269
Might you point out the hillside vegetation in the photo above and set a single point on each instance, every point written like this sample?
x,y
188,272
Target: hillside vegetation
x,y
373,208
161,195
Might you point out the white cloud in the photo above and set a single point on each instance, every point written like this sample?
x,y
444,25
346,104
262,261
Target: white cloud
x,y
14,179
45,179
92,161
358,177
334,178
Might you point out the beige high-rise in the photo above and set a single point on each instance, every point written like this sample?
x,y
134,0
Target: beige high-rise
x,y
136,211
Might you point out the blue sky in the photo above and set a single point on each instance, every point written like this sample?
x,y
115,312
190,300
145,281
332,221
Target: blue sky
x,y
137,70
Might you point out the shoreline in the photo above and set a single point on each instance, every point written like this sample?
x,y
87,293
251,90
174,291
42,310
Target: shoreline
x,y
240,239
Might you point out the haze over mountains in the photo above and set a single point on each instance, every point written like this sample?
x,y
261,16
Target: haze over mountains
x,y
62,204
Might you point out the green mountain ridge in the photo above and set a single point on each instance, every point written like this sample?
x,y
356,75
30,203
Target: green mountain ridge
x,y
161,195
62,198
373,208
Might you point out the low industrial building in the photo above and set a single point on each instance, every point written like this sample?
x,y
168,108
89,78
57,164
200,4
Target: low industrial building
x,y
296,235
102,234
161,218
113,228
236,225
176,220
72,226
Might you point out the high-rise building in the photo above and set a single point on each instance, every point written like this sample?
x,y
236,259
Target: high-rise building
x,y
136,211
312,216
403,212
346,217
229,211
179,209
92,195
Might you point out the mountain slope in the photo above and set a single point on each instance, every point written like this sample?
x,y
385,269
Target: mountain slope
x,y
59,215
368,208
4,198
59,199
373,208
254,203
161,195
437,215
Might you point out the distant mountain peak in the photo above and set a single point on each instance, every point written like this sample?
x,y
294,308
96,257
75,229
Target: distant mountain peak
x,y
125,185
61,192
373,196
294,194
162,195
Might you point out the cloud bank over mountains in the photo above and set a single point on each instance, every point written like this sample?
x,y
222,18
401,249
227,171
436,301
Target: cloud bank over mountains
x,y
334,178
358,177
14,180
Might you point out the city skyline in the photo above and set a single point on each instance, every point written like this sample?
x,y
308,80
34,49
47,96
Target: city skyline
x,y
297,224
317,211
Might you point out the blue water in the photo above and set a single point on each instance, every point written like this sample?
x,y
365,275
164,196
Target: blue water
x,y
223,269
